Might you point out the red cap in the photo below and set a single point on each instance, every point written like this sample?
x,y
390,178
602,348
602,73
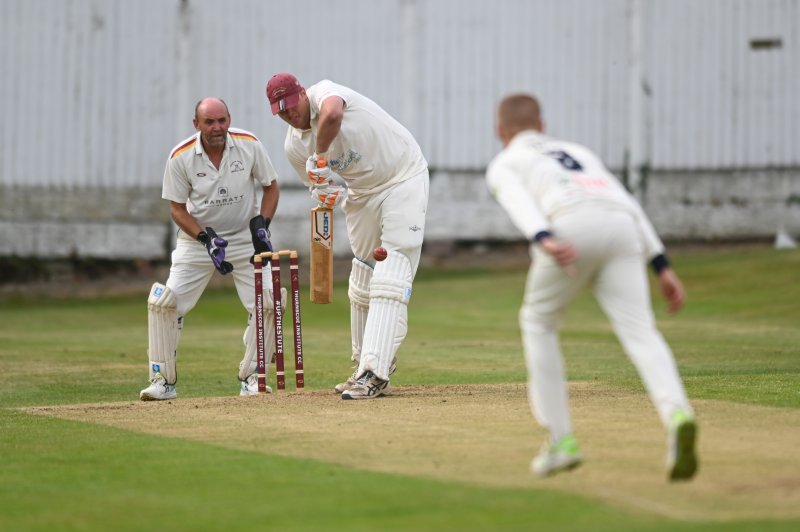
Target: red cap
x,y
283,91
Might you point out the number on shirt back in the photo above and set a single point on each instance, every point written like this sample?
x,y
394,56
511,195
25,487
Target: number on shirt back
x,y
566,160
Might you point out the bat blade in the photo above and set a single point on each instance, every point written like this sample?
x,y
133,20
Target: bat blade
x,y
321,275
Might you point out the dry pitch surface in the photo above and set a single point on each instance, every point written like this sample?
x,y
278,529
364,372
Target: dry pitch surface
x,y
485,435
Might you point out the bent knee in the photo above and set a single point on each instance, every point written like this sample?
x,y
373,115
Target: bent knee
x,y
536,320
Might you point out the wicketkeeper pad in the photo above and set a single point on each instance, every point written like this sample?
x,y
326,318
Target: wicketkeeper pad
x,y
249,363
163,332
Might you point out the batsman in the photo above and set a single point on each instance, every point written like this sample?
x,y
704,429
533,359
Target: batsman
x,y
349,152
222,191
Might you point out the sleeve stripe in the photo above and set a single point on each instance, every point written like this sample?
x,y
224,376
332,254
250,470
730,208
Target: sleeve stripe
x,y
180,149
242,136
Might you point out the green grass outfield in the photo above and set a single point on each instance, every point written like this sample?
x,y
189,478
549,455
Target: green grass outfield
x,y
80,452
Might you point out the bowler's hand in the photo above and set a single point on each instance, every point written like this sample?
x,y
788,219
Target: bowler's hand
x,y
672,289
564,253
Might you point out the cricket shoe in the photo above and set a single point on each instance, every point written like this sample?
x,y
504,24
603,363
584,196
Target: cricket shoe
x,y
562,455
249,386
681,457
158,390
351,380
367,386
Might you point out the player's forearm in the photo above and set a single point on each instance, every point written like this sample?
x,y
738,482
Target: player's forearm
x,y
523,212
325,136
269,201
330,122
672,289
184,220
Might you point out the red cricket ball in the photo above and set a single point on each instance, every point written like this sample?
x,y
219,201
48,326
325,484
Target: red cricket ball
x,y
379,253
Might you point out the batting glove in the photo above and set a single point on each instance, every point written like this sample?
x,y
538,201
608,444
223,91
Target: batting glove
x,y
259,231
329,196
215,245
319,173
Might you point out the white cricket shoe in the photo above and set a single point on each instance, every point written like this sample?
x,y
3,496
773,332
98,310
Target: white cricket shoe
x,y
349,383
681,458
351,380
249,386
367,386
562,455
158,390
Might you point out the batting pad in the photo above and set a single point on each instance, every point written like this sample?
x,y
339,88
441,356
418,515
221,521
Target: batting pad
x,y
163,330
387,320
249,363
358,291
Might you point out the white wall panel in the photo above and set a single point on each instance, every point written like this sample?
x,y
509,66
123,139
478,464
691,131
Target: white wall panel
x,y
571,54
102,89
237,46
716,102
89,89
98,91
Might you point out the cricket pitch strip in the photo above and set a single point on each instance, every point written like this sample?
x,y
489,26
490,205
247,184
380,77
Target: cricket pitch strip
x,y
485,435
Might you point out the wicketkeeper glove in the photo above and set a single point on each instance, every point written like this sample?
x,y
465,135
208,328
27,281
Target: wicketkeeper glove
x,y
319,173
215,245
259,231
329,196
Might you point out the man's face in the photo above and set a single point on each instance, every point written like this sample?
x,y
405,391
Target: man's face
x,y
212,122
298,116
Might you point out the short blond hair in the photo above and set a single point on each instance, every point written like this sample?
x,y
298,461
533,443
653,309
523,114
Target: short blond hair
x,y
518,112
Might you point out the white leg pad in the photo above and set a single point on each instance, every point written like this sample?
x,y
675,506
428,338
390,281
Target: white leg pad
x,y
387,321
358,291
249,363
163,328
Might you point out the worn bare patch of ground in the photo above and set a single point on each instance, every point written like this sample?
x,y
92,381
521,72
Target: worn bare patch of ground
x,y
485,435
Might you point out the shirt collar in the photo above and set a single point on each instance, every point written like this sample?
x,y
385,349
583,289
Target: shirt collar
x,y
198,145
527,136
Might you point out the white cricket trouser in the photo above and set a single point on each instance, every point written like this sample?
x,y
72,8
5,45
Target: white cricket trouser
x,y
191,270
394,219
611,260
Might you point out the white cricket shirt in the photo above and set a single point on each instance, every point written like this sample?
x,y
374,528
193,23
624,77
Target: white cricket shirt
x,y
372,150
537,179
224,199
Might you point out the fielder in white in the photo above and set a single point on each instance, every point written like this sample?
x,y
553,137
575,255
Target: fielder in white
x,y
586,230
212,181
384,202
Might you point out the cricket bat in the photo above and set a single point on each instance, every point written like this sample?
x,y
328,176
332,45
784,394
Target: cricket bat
x,y
321,251
321,255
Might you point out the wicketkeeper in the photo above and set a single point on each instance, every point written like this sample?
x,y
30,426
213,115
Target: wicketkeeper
x,y
212,181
